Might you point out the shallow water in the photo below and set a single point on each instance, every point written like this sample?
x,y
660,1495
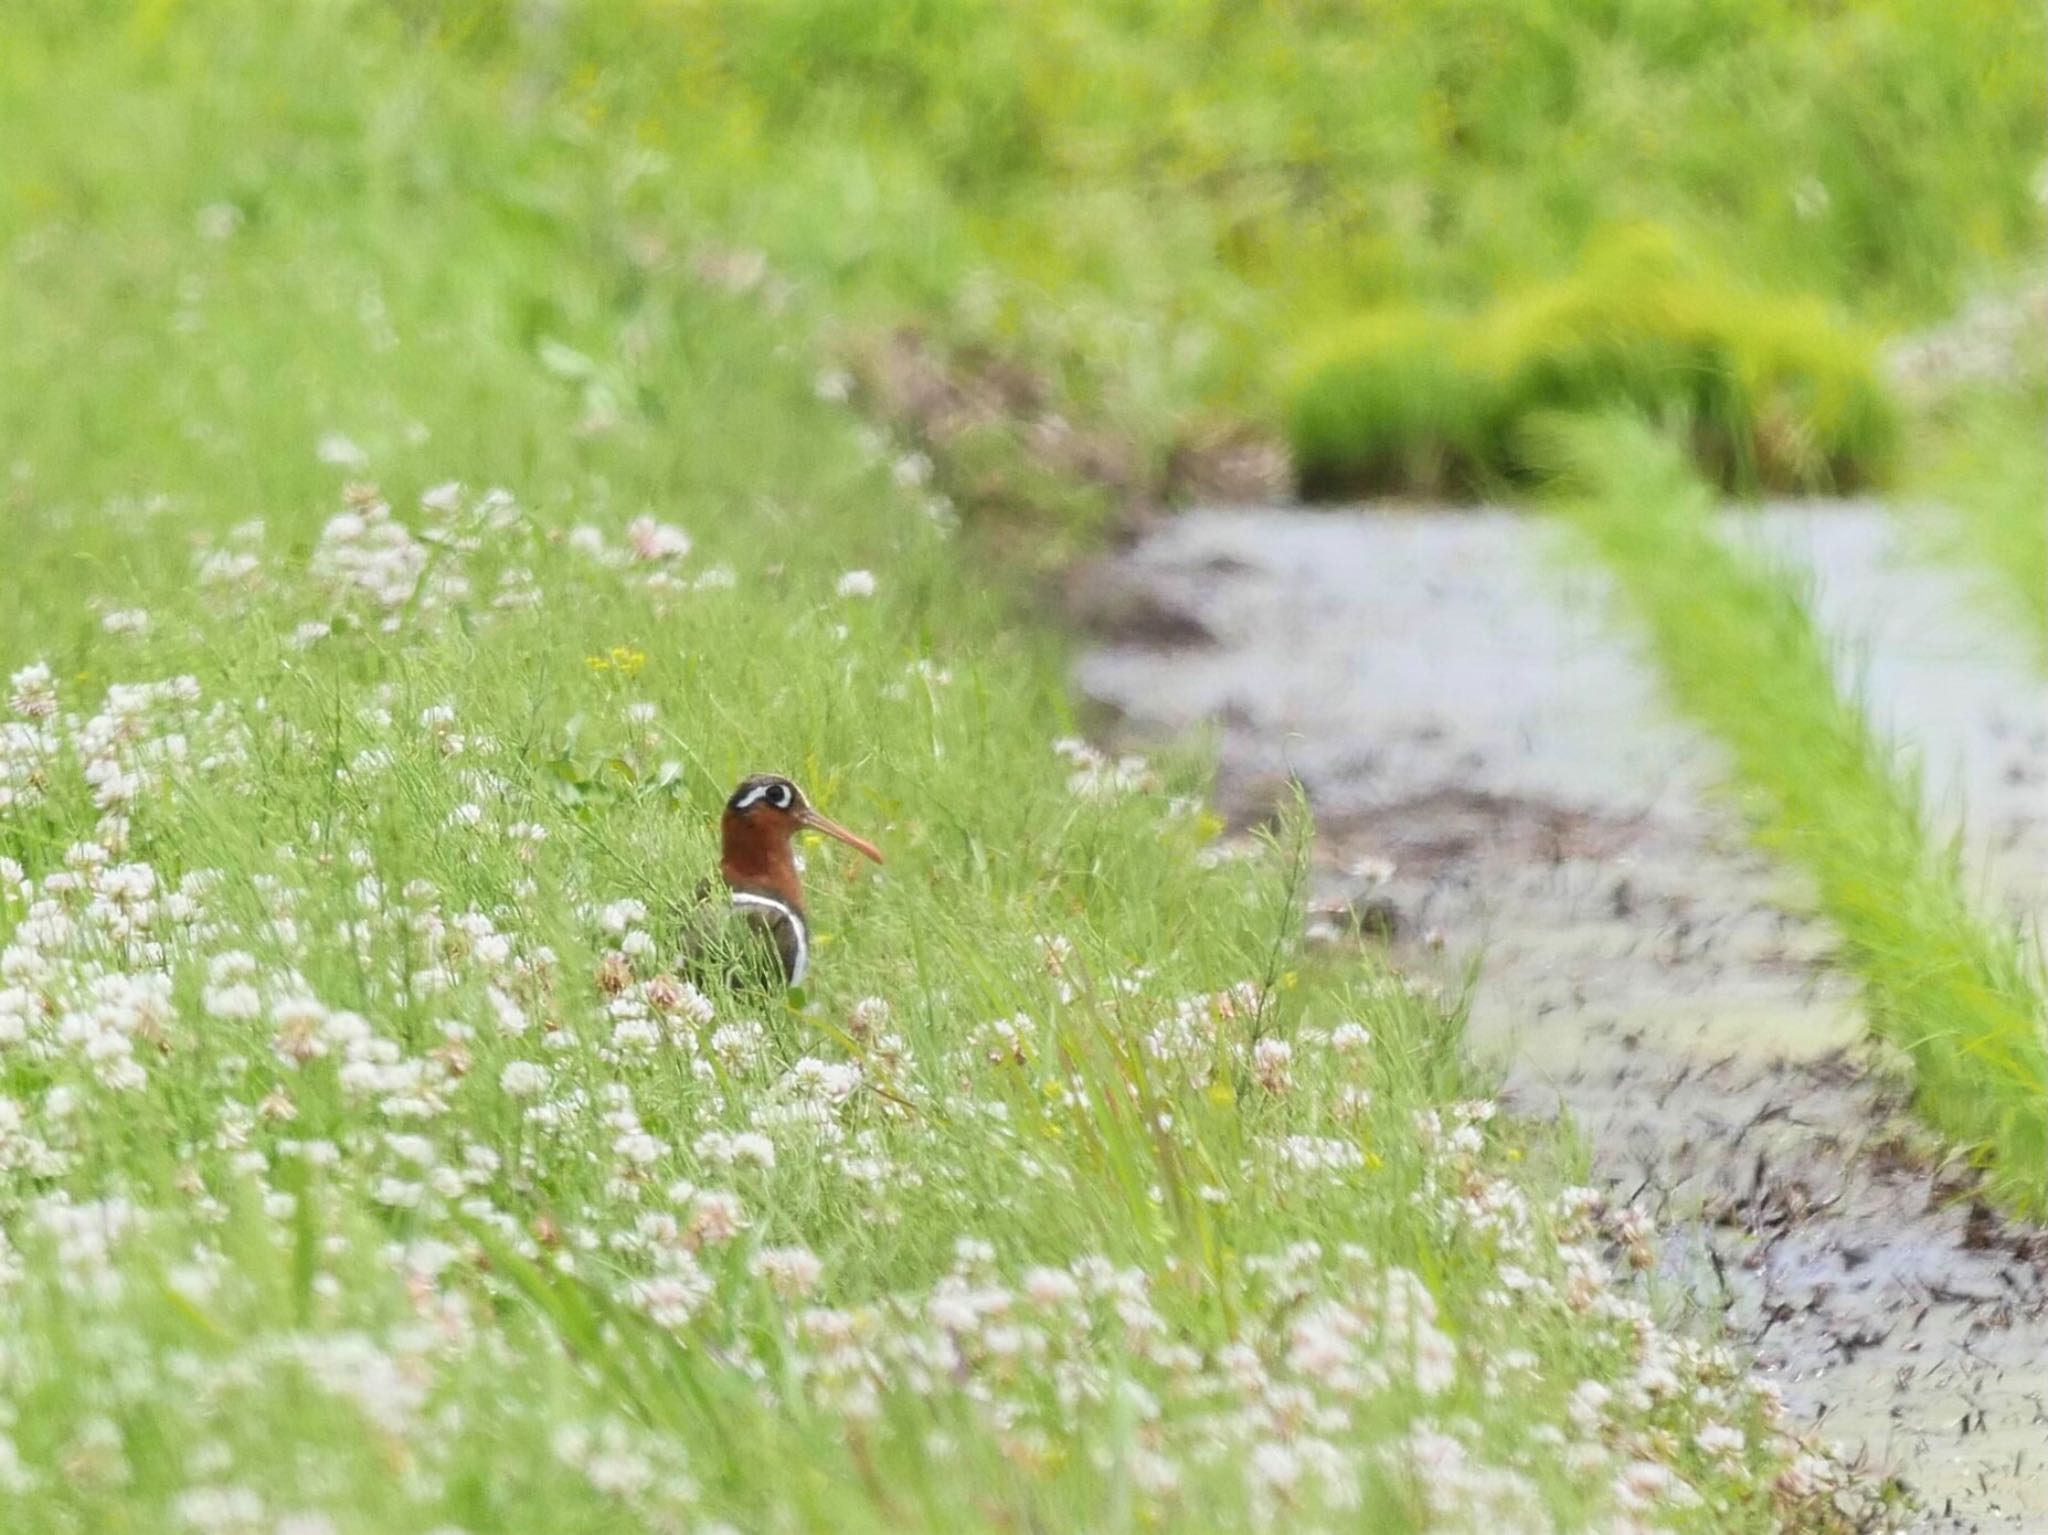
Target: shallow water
x,y
1941,672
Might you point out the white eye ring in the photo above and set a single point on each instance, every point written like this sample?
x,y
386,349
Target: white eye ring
x,y
778,796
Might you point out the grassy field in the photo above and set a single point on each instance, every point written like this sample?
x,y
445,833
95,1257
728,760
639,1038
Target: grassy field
x,y
362,1165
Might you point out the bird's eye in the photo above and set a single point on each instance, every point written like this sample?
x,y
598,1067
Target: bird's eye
x,y
778,796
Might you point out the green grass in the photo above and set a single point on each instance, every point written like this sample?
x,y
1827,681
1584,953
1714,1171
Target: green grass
x,y
1959,993
359,1170
1769,393
1986,467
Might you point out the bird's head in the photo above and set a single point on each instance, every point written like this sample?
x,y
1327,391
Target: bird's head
x,y
761,819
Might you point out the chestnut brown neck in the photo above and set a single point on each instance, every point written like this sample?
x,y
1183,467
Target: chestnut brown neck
x,y
759,858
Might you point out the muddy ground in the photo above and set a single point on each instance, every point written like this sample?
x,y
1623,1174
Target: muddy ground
x,y
1457,698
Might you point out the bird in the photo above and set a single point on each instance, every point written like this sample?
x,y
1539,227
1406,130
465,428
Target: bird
x,y
759,935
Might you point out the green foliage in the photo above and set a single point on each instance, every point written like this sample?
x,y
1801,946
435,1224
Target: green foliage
x,y
1772,393
1399,400
1986,467
1960,994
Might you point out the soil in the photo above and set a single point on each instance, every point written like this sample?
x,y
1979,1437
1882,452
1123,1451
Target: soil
x,y
948,398
1455,697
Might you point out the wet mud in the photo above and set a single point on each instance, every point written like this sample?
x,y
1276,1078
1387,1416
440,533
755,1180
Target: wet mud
x,y
1495,778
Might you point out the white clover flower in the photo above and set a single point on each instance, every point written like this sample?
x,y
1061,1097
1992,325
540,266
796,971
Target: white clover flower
x,y
399,1194
716,1216
673,1297
719,578
639,1148
444,498
1350,1038
1721,1439
1372,870
32,692
416,1149
1048,1288
221,1511
868,1017
1273,1064
1644,1485
340,452
1275,1466
228,567
620,915
793,1272
650,540
235,1003
523,1079
1099,776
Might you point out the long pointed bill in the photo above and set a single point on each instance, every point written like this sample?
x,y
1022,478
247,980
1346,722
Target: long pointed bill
x,y
831,828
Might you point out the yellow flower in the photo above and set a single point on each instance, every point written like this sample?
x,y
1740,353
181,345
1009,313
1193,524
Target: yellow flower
x,y
623,659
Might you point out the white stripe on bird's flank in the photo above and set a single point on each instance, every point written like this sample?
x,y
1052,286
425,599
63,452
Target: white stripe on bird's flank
x,y
796,925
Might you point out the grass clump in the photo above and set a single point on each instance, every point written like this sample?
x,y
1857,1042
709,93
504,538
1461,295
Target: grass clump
x,y
1771,392
365,1167
1959,994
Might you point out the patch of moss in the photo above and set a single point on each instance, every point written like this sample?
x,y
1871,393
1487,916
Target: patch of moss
x,y
1771,392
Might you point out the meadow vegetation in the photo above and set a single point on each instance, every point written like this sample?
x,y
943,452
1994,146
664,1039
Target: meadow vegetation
x,y
422,501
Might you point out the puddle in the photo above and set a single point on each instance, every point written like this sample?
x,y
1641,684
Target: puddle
x,y
1453,695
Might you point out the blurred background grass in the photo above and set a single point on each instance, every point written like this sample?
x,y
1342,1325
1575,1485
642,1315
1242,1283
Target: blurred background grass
x,y
1160,209
1160,204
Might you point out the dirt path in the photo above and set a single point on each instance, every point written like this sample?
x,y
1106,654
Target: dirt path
x,y
1455,698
